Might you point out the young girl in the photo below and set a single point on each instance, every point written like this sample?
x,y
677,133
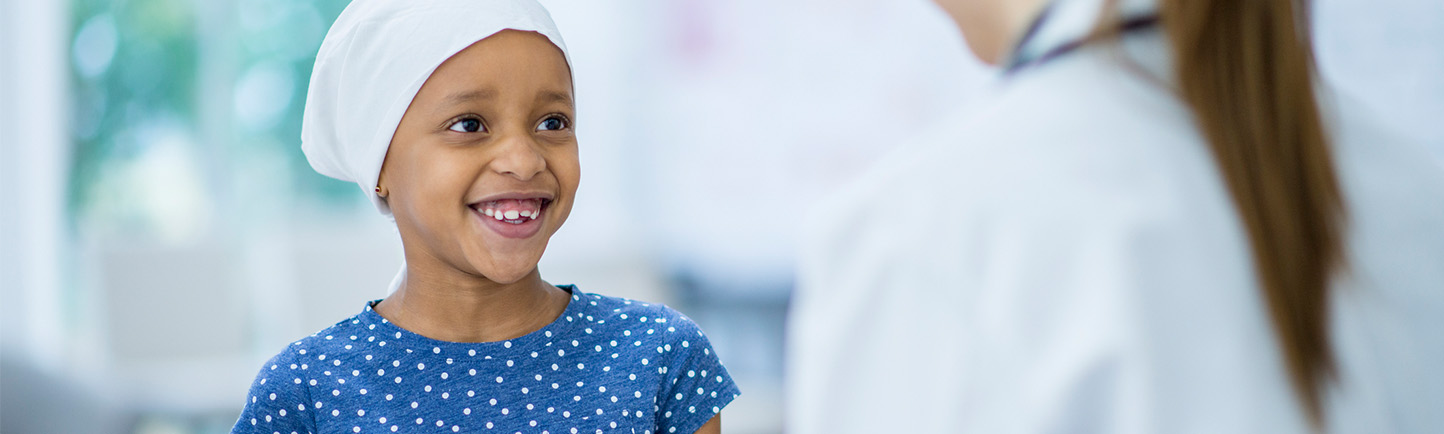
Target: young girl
x,y
455,117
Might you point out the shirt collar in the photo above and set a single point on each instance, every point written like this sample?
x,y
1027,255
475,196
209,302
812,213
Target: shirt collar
x,y
1067,22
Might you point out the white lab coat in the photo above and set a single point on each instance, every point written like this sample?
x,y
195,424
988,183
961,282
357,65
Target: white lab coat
x,y
1067,259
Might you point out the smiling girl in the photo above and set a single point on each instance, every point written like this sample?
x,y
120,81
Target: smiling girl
x,y
456,118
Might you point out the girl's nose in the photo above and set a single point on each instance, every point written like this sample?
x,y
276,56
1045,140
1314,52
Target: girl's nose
x,y
517,156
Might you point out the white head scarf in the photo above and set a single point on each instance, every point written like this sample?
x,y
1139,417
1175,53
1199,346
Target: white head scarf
x,y
373,62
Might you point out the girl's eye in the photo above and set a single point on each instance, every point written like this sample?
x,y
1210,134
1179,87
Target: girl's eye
x,y
467,125
552,123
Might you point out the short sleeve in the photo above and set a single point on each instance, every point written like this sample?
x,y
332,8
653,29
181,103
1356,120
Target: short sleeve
x,y
696,386
278,400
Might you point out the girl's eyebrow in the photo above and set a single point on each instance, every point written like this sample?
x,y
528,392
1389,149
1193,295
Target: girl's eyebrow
x,y
547,96
467,96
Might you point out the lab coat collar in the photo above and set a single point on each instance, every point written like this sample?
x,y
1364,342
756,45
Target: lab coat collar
x,y
1064,24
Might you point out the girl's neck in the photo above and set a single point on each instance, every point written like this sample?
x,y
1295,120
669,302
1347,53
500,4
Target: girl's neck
x,y
456,307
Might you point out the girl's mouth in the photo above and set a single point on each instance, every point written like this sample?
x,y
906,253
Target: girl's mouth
x,y
513,211
512,218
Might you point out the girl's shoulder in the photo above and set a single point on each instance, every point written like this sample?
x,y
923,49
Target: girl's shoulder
x,y
645,332
345,334
656,344
280,395
634,315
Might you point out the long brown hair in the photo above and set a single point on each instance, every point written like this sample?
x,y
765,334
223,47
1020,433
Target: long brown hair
x,y
1246,69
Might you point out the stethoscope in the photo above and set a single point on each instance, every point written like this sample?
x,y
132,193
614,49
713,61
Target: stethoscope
x,y
1024,59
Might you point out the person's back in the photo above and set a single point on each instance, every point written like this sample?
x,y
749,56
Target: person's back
x,y
1388,303
1072,261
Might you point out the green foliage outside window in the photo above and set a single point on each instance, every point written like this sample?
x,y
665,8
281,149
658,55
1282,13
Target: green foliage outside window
x,y
191,104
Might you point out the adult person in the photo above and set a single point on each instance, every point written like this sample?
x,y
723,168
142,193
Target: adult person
x,y
1163,223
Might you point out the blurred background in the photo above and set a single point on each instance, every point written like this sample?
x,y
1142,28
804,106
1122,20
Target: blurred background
x,y
161,234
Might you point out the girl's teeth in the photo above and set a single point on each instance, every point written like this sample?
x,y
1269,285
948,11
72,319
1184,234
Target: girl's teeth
x,y
511,214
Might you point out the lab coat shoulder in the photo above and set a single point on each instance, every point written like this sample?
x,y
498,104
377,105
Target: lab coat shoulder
x,y
1084,145
1069,238
1108,246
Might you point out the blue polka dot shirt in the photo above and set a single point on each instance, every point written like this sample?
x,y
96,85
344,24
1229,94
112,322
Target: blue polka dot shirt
x,y
606,365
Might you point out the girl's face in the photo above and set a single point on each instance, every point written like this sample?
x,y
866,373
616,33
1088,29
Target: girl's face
x,y
483,167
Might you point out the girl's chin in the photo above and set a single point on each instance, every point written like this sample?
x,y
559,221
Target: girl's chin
x,y
506,274
506,261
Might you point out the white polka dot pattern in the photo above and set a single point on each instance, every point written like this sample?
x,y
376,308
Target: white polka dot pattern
x,y
606,365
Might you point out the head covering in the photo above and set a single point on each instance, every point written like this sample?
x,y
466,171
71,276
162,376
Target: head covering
x,y
373,62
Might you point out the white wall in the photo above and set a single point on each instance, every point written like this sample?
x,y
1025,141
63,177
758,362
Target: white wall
x,y
34,162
